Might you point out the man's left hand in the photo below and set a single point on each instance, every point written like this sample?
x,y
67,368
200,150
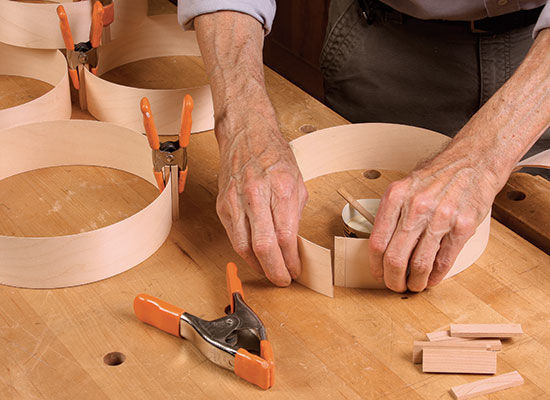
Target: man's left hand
x,y
425,219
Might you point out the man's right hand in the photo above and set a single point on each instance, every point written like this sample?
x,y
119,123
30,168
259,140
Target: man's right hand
x,y
261,191
261,196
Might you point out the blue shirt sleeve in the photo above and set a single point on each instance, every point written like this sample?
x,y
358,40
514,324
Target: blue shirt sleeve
x,y
262,10
543,21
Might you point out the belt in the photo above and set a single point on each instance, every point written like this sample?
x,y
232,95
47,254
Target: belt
x,y
506,22
372,10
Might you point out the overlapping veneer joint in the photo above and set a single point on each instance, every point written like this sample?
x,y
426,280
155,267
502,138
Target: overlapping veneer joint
x,y
370,146
365,146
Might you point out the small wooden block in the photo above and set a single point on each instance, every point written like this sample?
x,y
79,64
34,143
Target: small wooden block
x,y
418,346
443,335
486,330
459,361
486,386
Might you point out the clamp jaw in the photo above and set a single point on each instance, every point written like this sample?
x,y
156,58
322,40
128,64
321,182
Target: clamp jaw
x,y
170,157
236,342
83,53
109,12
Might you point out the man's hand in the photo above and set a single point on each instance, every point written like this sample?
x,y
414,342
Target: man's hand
x,y
425,219
261,191
261,197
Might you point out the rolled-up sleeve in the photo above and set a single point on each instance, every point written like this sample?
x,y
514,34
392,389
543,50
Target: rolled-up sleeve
x,y
543,21
262,10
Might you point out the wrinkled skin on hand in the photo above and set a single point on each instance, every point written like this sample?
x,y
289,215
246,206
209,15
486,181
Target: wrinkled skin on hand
x,y
261,191
426,218
261,198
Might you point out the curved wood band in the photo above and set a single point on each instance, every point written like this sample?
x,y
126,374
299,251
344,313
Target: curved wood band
x,y
159,36
49,262
60,261
37,25
365,146
49,66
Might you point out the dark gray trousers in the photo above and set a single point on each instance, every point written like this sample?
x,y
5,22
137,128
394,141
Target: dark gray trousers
x,y
430,74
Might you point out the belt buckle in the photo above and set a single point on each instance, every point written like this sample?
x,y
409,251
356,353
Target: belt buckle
x,y
473,28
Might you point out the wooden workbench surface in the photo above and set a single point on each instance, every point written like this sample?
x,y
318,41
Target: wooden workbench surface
x,y
356,345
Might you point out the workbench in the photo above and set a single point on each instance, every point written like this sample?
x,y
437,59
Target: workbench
x,y
85,342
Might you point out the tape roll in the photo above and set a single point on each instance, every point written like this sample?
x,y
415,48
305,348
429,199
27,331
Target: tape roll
x,y
48,66
60,261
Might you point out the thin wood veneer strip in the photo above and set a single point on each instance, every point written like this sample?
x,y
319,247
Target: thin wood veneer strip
x,y
370,146
459,361
48,66
486,386
60,261
158,36
36,26
419,346
485,330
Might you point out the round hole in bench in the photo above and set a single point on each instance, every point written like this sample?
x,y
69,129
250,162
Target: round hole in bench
x,y
114,358
372,174
307,128
515,195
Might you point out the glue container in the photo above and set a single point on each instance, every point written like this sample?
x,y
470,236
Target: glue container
x,y
355,225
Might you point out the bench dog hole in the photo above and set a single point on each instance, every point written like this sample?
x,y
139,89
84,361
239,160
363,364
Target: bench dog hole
x,y
372,174
515,195
307,128
114,358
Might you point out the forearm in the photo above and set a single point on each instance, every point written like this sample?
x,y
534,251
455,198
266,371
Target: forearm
x,y
514,118
231,45
261,193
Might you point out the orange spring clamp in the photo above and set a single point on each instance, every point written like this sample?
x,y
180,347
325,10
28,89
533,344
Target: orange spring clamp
x,y
109,12
237,341
170,157
83,53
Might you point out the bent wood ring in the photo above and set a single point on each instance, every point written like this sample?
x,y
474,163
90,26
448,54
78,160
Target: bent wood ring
x,y
37,25
157,37
372,146
45,65
365,146
60,261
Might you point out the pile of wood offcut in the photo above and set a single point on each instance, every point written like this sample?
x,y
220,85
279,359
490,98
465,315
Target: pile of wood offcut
x,y
468,349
